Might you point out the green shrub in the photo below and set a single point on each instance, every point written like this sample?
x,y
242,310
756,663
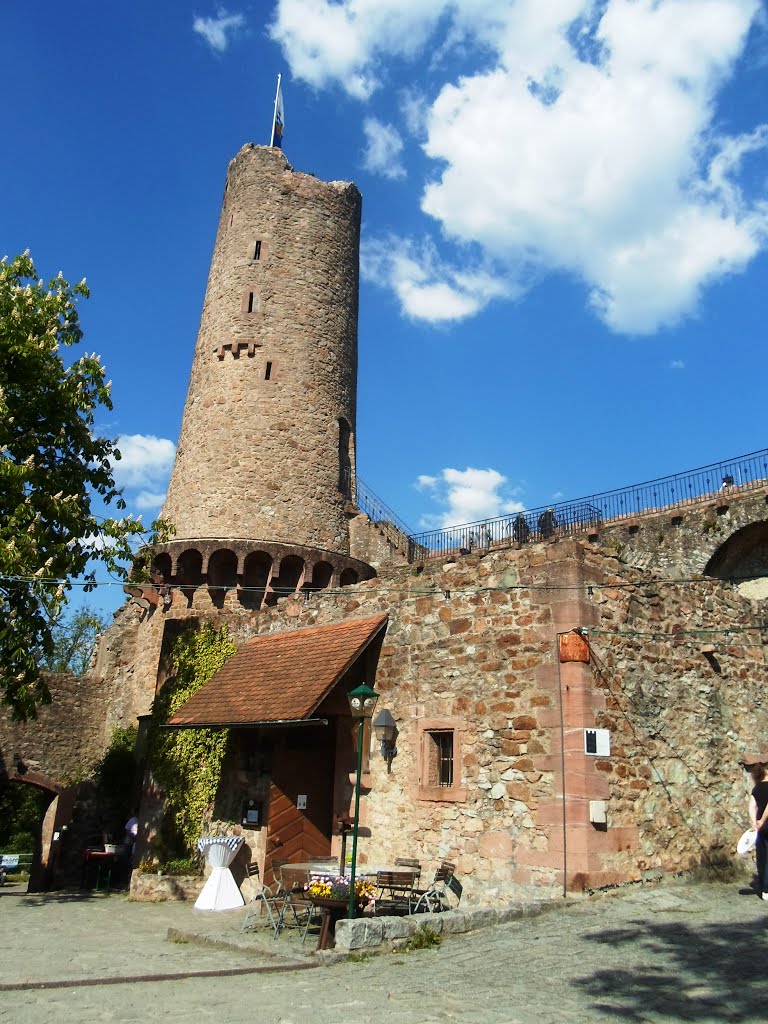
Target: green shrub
x,y
180,866
21,811
424,938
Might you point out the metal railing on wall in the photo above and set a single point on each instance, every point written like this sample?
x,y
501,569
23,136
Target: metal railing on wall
x,y
391,525
744,473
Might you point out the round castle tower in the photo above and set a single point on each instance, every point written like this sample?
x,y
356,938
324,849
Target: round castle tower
x,y
264,475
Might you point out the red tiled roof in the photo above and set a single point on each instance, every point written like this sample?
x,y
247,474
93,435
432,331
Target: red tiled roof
x,y
279,677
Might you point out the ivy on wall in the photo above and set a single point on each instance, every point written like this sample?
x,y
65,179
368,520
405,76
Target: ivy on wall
x,y
186,763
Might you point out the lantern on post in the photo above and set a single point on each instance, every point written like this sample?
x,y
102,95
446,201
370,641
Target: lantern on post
x,y
362,704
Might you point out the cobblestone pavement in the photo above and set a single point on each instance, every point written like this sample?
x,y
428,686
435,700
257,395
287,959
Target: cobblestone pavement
x,y
678,952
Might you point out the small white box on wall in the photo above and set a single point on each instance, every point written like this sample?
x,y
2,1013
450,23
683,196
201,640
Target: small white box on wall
x,y
597,742
598,812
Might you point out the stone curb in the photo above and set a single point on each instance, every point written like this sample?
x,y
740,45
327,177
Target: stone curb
x,y
285,963
384,933
374,935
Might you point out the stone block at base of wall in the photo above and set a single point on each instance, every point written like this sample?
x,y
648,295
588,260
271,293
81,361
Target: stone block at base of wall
x,y
147,887
368,933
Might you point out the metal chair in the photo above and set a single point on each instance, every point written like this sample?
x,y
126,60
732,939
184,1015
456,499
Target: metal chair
x,y
261,897
297,910
445,887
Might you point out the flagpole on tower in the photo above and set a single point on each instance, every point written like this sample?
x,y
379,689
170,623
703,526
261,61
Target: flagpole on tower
x,y
274,113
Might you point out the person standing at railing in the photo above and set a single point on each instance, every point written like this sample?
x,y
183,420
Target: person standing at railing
x,y
547,523
520,529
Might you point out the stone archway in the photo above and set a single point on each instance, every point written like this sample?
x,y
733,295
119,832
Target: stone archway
x,y
47,797
743,559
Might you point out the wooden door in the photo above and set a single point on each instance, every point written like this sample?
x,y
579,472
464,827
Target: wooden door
x,y
302,766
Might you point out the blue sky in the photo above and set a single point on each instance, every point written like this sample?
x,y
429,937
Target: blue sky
x,y
565,221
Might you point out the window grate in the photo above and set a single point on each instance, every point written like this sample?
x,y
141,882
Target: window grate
x,y
441,761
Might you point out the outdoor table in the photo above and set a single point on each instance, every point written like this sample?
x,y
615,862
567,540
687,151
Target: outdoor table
x,y
103,862
220,892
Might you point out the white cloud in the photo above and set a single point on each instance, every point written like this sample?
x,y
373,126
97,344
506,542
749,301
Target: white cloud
x,y
426,287
580,138
146,500
383,149
98,542
326,41
467,496
415,111
677,364
218,31
146,460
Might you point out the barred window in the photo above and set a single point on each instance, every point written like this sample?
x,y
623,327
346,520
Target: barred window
x,y
440,759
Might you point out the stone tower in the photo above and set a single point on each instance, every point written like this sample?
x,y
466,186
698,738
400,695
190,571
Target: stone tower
x,y
263,481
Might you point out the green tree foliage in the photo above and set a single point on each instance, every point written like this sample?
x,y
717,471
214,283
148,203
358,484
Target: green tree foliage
x,y
55,472
21,810
186,763
74,640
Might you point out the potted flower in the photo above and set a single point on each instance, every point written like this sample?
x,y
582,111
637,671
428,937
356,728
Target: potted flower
x,y
327,890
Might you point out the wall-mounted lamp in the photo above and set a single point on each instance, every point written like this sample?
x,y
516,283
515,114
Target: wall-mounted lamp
x,y
386,733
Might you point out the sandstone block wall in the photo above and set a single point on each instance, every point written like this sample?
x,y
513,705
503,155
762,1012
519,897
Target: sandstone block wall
x,y
380,544
473,644
71,734
686,539
684,699
124,673
677,675
67,737
273,386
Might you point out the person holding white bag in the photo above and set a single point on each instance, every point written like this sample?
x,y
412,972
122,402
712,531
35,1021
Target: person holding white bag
x,y
758,815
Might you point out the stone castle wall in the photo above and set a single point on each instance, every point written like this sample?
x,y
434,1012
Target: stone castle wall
x,y
471,645
66,739
378,544
683,700
126,666
275,367
682,540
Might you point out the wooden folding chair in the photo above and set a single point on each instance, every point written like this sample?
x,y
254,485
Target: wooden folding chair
x,y
436,898
409,862
395,892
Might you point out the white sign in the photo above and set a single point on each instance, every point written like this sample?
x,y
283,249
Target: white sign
x,y
597,742
301,802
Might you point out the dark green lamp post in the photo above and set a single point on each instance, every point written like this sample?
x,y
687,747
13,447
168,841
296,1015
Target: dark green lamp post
x,y
362,704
